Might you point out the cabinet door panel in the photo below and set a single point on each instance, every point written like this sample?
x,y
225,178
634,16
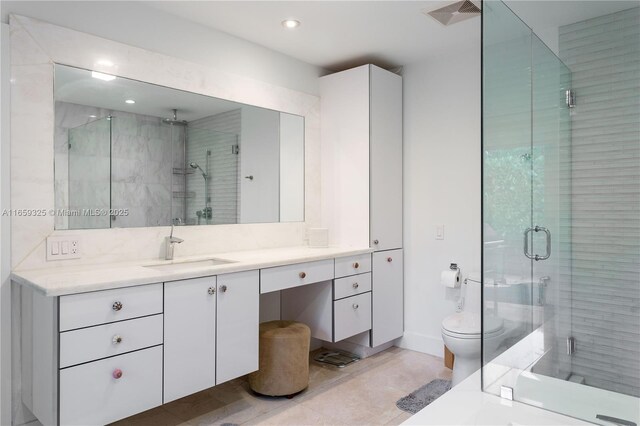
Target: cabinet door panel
x,y
237,327
189,337
388,297
386,160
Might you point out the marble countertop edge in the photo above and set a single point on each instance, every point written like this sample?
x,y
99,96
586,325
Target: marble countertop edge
x,y
73,279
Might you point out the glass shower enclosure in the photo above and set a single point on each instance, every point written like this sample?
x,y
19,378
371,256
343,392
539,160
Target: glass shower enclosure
x,y
561,215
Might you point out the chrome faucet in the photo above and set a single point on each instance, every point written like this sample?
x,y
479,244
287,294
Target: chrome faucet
x,y
170,243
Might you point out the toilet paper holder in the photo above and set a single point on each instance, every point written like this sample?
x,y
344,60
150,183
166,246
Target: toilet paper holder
x,y
454,267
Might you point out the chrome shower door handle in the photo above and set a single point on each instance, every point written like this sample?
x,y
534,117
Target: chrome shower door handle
x,y
548,237
537,257
526,243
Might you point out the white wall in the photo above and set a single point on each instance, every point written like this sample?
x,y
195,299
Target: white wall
x,y
138,24
441,186
5,229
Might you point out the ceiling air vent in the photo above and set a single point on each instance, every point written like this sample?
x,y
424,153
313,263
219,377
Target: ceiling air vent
x,y
454,13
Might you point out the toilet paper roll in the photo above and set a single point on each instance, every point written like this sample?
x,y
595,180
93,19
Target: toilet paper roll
x,y
450,278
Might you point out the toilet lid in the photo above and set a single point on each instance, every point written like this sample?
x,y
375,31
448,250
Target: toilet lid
x,y
469,323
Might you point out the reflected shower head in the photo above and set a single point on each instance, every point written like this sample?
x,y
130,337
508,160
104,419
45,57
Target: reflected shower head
x,y
195,165
174,120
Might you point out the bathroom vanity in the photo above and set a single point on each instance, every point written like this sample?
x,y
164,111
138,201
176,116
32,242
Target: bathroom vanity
x,y
105,342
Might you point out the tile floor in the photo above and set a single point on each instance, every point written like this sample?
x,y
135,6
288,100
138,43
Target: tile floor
x,y
363,393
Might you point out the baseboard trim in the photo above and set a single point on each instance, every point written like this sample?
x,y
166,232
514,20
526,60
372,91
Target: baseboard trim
x,y
422,343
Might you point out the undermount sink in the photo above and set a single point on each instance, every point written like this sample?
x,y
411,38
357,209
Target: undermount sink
x,y
178,266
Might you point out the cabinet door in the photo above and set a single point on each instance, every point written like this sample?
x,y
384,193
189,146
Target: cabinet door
x,y
237,327
388,297
386,160
189,336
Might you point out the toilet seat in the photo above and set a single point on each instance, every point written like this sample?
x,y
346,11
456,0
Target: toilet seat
x,y
466,325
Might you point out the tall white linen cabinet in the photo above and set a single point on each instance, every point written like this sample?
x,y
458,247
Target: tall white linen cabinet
x,y
361,130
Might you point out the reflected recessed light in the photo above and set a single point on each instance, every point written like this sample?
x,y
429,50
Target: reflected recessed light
x,y
105,63
290,24
93,116
130,101
102,76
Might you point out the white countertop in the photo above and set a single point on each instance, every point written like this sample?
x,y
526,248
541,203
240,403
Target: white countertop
x,y
61,281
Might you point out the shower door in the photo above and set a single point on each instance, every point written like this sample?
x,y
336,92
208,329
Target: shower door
x,y
526,205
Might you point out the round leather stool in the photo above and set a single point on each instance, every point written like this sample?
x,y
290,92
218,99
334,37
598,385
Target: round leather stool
x,y
284,359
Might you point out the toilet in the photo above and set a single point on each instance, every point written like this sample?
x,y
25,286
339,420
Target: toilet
x,y
461,332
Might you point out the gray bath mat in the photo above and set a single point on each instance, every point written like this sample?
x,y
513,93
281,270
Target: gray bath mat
x,y
420,398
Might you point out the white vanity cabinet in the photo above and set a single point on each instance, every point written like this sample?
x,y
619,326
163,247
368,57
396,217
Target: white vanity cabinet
x,y
361,133
237,325
388,297
189,336
211,331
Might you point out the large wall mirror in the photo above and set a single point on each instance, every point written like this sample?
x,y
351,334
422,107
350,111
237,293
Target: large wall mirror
x,y
132,154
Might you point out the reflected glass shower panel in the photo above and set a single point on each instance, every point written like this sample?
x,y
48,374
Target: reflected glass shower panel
x,y
212,189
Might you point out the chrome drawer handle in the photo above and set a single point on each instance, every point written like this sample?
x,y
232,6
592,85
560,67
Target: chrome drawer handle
x,y
375,242
389,259
356,265
302,275
355,285
355,306
116,306
116,339
211,290
223,288
117,373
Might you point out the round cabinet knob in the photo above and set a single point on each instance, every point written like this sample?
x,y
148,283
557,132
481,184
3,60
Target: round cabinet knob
x,y
116,306
376,242
211,290
389,259
117,373
356,265
302,275
116,339
223,288
356,285
355,306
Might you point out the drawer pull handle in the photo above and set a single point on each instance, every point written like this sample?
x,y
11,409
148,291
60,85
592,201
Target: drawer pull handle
x,y
356,285
223,288
355,306
116,339
116,306
211,290
117,373
375,242
389,259
356,265
302,275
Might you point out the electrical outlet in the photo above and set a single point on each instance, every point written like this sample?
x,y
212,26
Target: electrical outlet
x,y
62,247
440,232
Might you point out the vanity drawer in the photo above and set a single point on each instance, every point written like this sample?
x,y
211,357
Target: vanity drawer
x,y
281,277
350,286
351,316
101,341
90,394
100,307
352,265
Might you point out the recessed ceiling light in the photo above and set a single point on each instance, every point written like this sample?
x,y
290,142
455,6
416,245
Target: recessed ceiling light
x,y
102,76
93,116
290,24
130,101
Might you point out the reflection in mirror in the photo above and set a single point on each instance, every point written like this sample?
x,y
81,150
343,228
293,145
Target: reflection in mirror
x,y
131,154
